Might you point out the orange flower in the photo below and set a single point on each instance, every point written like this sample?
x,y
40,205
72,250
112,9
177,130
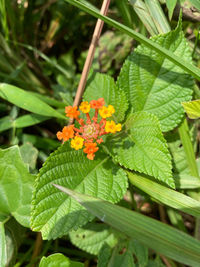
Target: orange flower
x,y
72,112
89,133
85,107
66,134
77,142
90,149
97,103
106,112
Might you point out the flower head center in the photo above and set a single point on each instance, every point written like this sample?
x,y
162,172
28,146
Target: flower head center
x,y
90,131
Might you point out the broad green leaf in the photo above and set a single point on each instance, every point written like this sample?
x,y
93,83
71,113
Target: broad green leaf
x,y
92,237
142,147
55,214
3,252
101,85
60,260
178,60
171,5
154,84
16,185
29,154
192,108
27,101
121,255
165,195
162,238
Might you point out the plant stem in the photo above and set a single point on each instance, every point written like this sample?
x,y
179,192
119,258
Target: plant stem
x,y
37,247
90,56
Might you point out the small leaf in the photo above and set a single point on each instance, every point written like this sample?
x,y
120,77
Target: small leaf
x,y
101,85
192,108
154,84
27,101
171,5
92,237
142,147
16,185
121,255
60,260
29,154
162,238
55,214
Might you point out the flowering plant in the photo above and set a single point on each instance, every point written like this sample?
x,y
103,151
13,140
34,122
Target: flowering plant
x,y
90,132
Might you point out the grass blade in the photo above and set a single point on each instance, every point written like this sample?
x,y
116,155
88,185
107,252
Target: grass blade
x,y
158,16
27,101
154,234
140,38
165,195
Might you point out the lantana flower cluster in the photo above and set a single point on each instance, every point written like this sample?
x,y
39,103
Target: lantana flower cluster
x,y
89,135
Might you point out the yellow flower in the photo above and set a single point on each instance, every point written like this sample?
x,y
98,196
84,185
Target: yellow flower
x,y
85,107
112,127
77,142
106,112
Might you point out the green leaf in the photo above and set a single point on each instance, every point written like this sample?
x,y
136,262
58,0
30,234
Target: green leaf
x,y
192,108
15,234
21,122
186,181
171,5
165,195
92,237
29,154
141,252
154,84
178,60
55,214
3,252
27,101
195,3
158,16
6,123
142,147
29,120
60,260
143,13
43,143
16,185
101,85
162,238
121,255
